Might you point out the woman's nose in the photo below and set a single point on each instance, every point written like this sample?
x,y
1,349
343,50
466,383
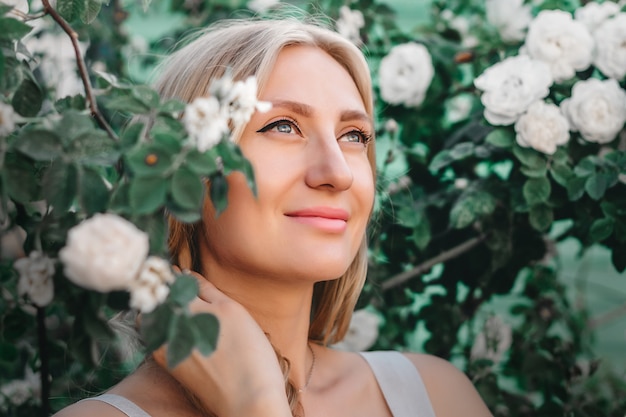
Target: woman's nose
x,y
327,166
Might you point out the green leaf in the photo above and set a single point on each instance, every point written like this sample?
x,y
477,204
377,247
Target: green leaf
x,y
60,184
421,233
120,199
441,160
90,11
73,124
529,157
183,290
94,147
41,145
172,106
206,328
13,28
71,10
575,188
131,135
596,185
585,167
149,161
618,257
76,102
218,191
501,138
146,95
536,190
155,326
182,214
536,172
147,195
28,98
561,173
181,338
462,150
19,177
470,207
601,229
541,217
202,163
126,103
187,189
93,192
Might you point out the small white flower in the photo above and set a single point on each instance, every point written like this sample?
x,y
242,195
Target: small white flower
x,y
610,53
19,391
150,288
493,341
362,332
104,253
35,281
597,109
510,17
461,183
350,23
511,86
405,74
261,6
462,25
565,44
8,118
459,107
391,126
543,127
20,8
242,101
58,62
594,14
206,122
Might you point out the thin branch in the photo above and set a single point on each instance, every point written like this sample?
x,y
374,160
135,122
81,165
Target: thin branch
x,y
401,278
607,317
82,68
44,371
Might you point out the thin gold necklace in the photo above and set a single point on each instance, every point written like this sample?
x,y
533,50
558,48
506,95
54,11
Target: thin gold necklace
x,y
310,373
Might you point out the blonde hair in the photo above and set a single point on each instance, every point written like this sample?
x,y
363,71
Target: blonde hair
x,y
251,47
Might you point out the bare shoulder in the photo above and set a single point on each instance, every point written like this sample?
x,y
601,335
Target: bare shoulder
x,y
91,408
443,382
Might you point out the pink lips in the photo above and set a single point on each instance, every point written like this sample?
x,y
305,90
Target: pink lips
x,y
328,219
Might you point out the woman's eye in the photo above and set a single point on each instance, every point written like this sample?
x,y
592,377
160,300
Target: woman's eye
x,y
281,126
355,136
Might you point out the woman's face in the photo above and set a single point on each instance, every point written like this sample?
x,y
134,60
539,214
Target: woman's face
x,y
315,183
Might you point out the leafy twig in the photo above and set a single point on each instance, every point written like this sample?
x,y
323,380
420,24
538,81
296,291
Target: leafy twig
x,y
82,68
402,277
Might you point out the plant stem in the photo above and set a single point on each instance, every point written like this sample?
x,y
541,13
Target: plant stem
x,y
402,277
82,68
43,355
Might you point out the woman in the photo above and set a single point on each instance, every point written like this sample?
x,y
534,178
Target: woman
x,y
283,271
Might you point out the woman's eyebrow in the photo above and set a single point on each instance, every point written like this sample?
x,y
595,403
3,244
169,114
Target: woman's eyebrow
x,y
307,111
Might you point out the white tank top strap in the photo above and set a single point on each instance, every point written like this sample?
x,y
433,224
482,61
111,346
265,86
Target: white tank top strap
x,y
401,384
123,404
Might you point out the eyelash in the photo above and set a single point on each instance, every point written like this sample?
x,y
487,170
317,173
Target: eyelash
x,y
365,137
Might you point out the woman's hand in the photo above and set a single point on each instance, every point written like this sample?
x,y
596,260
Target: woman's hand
x,y
242,376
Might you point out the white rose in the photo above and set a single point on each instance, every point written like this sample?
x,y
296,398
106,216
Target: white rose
x,y
543,127
36,273
104,253
510,17
362,332
565,44
493,341
597,109
150,288
350,23
405,74
206,122
610,53
593,14
261,6
8,118
510,86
